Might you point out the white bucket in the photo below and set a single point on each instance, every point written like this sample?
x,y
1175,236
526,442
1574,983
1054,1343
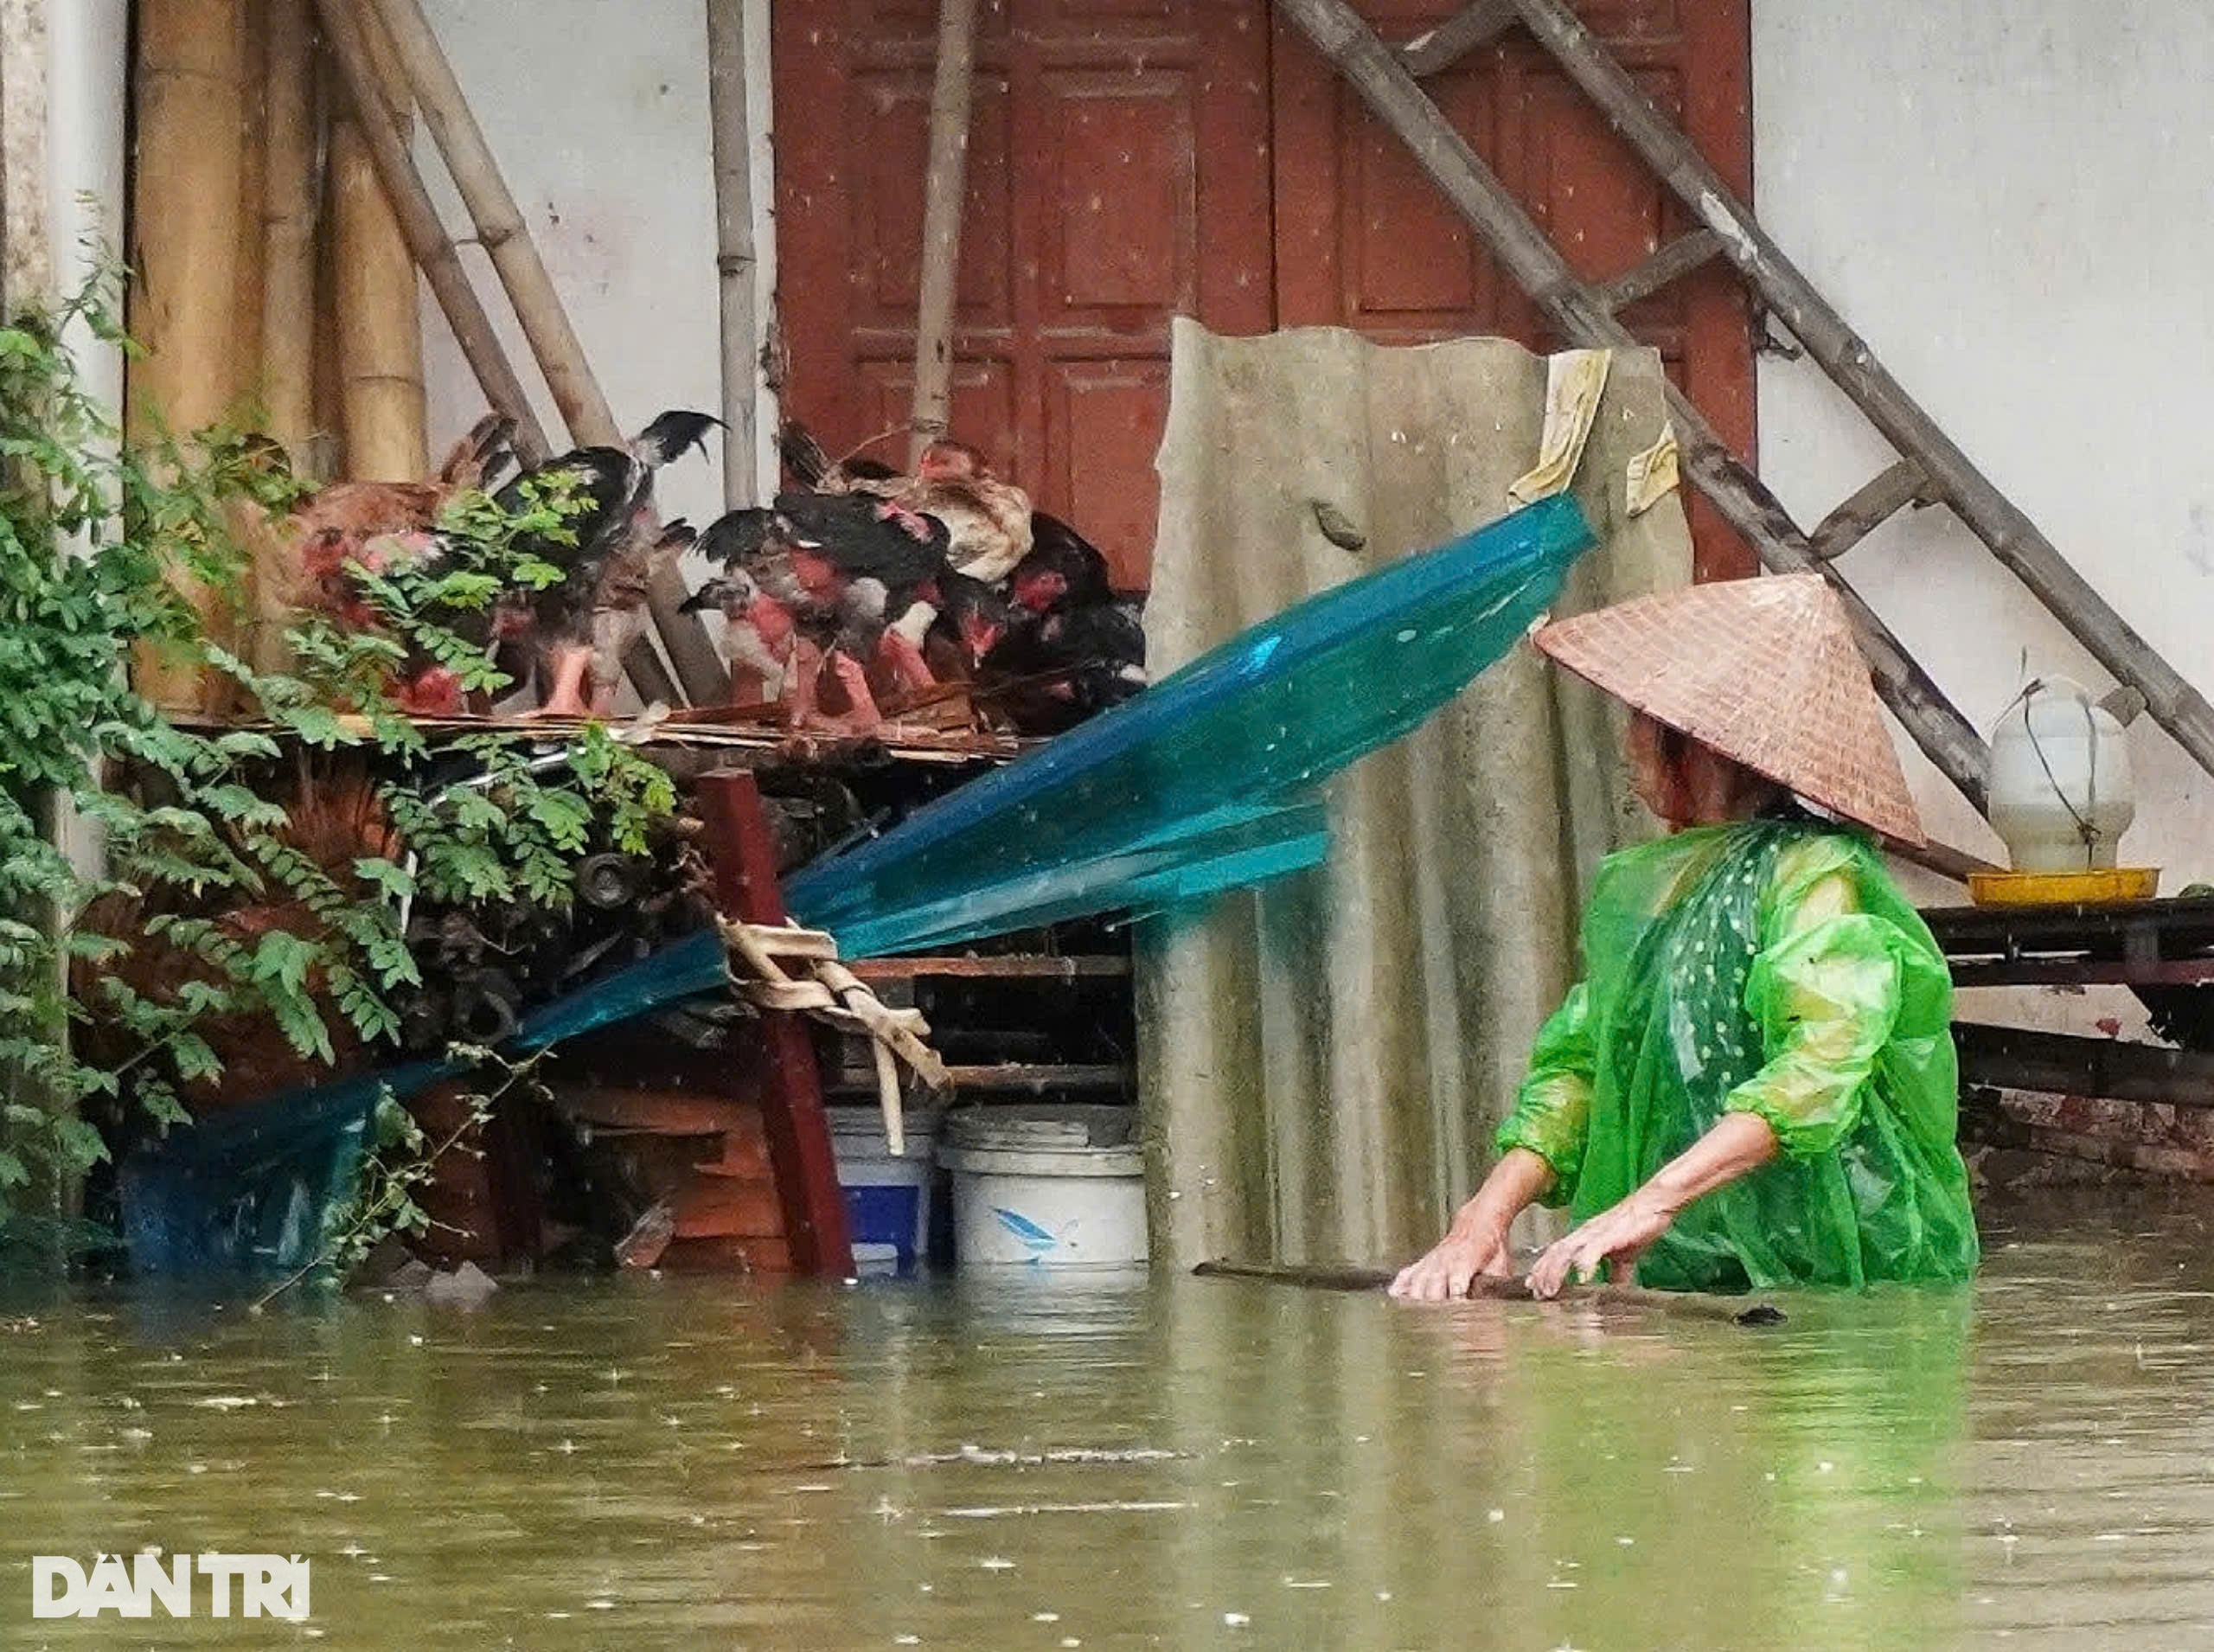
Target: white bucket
x,y
1046,1187
887,1199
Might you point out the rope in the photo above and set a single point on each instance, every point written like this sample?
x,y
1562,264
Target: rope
x,y
755,955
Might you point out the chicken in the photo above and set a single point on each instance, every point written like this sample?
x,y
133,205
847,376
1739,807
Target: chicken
x,y
989,521
1070,665
817,578
378,526
580,627
1063,569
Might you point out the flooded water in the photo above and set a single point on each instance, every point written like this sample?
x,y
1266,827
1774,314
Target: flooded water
x,y
1183,1463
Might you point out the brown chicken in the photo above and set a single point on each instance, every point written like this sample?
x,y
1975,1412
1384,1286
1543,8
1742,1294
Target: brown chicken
x,y
380,525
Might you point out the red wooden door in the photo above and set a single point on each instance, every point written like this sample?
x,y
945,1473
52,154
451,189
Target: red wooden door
x,y
1366,240
1132,160
1117,176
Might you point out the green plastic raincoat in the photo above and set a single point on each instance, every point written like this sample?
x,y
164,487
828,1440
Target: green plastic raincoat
x,y
1770,968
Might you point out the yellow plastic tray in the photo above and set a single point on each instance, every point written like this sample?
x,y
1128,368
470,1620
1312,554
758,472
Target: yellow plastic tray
x,y
2063,888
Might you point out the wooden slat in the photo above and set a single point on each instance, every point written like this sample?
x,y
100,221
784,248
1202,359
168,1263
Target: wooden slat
x,y
1871,505
1578,313
2056,1064
1671,263
663,1112
1436,50
1853,367
724,1208
2086,972
1025,966
728,1255
1015,1075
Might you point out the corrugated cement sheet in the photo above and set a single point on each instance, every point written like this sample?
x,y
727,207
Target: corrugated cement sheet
x,y
1322,1061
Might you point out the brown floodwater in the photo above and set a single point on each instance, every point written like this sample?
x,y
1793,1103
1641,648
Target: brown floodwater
x,y
1179,1463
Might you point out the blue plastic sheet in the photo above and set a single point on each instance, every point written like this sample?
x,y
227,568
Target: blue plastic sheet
x,y
1209,777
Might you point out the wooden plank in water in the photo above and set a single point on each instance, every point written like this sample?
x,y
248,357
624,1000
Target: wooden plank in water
x,y
1351,1277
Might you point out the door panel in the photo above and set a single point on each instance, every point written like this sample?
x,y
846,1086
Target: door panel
x,y
1117,177
1133,160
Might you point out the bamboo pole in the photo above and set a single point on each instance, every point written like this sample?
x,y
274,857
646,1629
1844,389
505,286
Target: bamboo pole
x,y
734,250
380,319
288,227
501,230
253,59
945,184
185,224
432,249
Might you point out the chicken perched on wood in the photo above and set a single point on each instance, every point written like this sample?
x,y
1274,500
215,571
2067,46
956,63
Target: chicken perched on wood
x,y
814,580
581,628
988,521
1069,665
1063,569
378,526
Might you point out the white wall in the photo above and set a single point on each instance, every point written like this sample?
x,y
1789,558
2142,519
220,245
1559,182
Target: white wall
x,y
598,114
2010,202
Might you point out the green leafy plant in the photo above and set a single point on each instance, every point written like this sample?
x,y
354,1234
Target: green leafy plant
x,y
100,540
404,1159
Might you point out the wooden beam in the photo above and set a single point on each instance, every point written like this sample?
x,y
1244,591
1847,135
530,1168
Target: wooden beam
x,y
427,240
561,355
1436,50
1028,966
742,863
2057,1064
945,188
1950,741
1871,505
1671,263
2012,538
735,256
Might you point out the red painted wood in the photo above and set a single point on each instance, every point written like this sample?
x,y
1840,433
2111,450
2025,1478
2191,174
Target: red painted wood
x,y
1117,176
741,858
1136,159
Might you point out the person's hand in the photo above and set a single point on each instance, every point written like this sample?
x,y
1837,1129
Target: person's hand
x,y
1616,1236
1463,1253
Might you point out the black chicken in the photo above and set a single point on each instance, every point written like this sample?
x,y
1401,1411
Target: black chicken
x,y
580,629
1062,569
1070,665
817,577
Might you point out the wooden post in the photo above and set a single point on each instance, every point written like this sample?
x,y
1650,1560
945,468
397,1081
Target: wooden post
x,y
427,238
946,186
253,166
380,320
186,231
741,858
288,226
1994,519
503,233
735,260
1580,314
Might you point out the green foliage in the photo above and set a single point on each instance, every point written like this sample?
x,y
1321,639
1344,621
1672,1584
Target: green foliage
x,y
100,540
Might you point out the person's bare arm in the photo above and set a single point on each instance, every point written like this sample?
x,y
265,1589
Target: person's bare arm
x,y
1739,1144
1476,1242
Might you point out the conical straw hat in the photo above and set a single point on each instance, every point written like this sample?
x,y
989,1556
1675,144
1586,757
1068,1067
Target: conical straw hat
x,y
1766,672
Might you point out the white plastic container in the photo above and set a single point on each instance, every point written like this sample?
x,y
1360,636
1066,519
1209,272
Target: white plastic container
x,y
887,1199
2061,795
1045,1187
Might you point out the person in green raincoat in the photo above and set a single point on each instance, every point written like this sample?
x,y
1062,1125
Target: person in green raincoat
x,y
1755,1084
